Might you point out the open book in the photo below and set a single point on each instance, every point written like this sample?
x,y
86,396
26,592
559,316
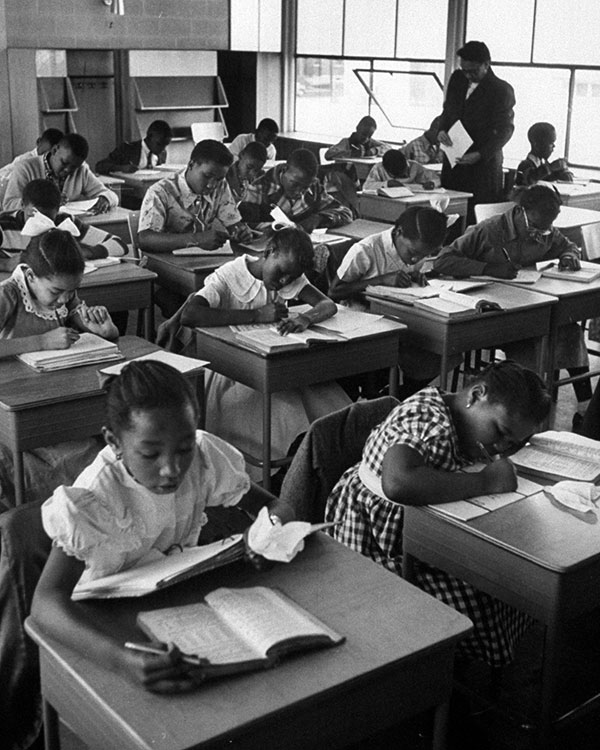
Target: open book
x,y
395,192
266,338
524,276
225,249
588,271
455,305
89,349
156,571
185,365
239,630
560,455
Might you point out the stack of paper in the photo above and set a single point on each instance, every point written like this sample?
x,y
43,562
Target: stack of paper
x,y
87,350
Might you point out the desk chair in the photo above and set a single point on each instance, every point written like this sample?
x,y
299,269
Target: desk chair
x,y
485,210
331,445
202,130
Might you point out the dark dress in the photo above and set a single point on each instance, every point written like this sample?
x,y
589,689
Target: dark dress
x,y
488,118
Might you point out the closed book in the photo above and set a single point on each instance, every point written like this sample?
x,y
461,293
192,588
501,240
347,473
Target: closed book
x,y
588,271
238,630
395,192
560,455
157,571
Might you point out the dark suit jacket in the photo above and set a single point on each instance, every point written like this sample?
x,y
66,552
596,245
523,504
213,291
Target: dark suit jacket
x,y
488,118
126,153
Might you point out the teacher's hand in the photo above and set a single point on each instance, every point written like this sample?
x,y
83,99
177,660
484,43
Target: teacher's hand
x,y
444,138
468,159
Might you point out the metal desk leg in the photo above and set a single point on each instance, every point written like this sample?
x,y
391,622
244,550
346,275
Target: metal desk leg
x,y
51,730
550,669
19,479
266,434
440,726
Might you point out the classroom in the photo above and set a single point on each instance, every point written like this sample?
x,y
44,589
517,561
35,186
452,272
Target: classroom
x,y
296,287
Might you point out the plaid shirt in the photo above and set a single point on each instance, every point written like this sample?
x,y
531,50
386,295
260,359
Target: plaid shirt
x,y
170,206
267,191
421,150
372,525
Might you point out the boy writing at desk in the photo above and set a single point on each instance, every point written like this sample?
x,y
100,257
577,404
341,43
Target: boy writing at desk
x,y
542,138
360,143
395,170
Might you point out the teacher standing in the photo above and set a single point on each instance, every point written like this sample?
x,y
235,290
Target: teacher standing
x,y
484,104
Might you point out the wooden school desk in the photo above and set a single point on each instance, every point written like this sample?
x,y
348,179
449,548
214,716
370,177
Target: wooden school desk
x,y
571,217
389,209
579,196
280,371
362,164
397,661
112,183
530,554
184,274
525,314
137,184
44,408
113,221
575,301
360,228
125,286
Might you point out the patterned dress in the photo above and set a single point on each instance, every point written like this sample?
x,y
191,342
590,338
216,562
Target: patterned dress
x,y
371,524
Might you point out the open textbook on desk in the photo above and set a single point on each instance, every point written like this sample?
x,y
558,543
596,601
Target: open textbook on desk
x,y
560,455
89,349
238,630
346,324
588,271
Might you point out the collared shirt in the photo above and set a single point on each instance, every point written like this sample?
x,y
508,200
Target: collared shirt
x,y
485,243
417,174
422,150
374,256
170,206
49,173
267,191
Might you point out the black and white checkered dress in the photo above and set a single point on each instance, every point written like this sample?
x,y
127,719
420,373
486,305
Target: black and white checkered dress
x,y
372,525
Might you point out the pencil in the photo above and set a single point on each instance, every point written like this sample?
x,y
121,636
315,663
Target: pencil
x,y
161,649
485,452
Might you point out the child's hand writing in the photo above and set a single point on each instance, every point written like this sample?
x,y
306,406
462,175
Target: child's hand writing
x,y
59,338
165,672
210,239
569,263
500,270
271,312
397,278
499,476
289,325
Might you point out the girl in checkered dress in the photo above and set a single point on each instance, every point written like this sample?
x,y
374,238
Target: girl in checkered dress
x,y
413,458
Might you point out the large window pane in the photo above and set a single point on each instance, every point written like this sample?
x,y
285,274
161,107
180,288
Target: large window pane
x,y
406,99
329,97
361,36
270,26
320,27
584,147
567,32
542,95
422,29
489,23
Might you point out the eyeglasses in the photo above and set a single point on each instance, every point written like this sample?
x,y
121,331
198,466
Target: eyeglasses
x,y
536,234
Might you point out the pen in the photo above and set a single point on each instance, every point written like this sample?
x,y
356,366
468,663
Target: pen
x,y
506,255
160,649
59,321
485,452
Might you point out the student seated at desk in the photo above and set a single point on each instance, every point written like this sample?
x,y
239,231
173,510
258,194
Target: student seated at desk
x,y
49,138
542,139
150,489
521,237
40,212
256,290
40,309
359,143
413,458
395,170
266,133
246,168
392,258
295,188
425,149
64,165
130,156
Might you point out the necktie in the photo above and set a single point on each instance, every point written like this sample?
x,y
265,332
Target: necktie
x,y
149,160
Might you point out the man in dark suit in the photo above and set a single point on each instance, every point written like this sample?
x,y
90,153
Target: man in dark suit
x,y
144,154
484,104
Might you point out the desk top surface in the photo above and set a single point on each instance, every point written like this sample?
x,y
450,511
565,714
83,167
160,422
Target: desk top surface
x,y
337,585
115,215
122,273
571,216
188,263
562,288
422,197
538,530
22,387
